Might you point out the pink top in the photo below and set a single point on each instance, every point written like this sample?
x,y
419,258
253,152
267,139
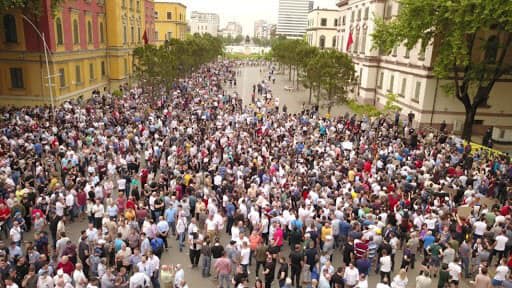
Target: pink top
x,y
278,237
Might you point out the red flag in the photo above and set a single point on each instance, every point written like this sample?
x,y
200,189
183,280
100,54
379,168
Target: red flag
x,y
350,41
145,37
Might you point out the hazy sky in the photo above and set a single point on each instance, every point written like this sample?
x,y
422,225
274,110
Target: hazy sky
x,y
244,11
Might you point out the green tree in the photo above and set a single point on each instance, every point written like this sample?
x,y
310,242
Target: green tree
x,y
29,7
337,73
472,44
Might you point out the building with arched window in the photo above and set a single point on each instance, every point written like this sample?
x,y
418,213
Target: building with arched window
x,y
87,51
322,25
408,73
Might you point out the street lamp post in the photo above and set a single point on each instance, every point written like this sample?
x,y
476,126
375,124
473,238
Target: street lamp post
x,y
46,51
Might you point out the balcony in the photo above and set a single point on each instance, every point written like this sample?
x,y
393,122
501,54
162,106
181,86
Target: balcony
x,y
342,3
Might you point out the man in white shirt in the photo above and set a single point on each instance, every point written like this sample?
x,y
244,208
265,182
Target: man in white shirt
x,y
455,271
79,277
385,265
480,228
351,275
501,273
499,247
139,279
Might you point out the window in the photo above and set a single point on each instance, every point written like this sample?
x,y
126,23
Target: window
x,y
404,86
343,20
168,36
16,78
381,79
125,66
138,5
124,4
358,14
335,22
91,71
366,13
89,32
417,91
58,27
76,36
407,53
333,41
356,42
131,4
363,42
156,14
353,16
78,76
102,34
391,83
62,78
394,52
11,36
124,34
169,15
138,34
321,44
103,71
156,35
323,22
132,34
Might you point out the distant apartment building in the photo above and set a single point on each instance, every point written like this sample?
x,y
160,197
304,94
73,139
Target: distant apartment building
x,y
170,21
292,18
262,29
232,29
409,74
322,28
203,23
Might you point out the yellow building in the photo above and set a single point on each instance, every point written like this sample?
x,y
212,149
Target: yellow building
x,y
170,21
89,45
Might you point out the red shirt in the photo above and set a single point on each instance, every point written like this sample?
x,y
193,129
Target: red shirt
x,y
5,213
68,268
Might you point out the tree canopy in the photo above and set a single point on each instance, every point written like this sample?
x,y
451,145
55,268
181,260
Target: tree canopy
x,y
162,65
471,39
319,70
27,6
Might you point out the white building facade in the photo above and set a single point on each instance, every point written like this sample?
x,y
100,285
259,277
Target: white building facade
x,y
409,75
293,18
322,28
232,29
261,29
203,23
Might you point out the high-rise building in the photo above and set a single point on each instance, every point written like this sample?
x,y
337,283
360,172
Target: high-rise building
x,y
293,18
170,21
408,74
89,45
203,23
262,29
232,29
311,5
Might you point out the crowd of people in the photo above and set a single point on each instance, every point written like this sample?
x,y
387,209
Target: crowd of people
x,y
306,200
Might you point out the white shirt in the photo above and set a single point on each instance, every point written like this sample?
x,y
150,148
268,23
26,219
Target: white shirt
x,y
385,263
178,277
139,279
501,241
59,209
245,254
211,225
454,269
480,228
78,278
501,273
351,276
15,234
